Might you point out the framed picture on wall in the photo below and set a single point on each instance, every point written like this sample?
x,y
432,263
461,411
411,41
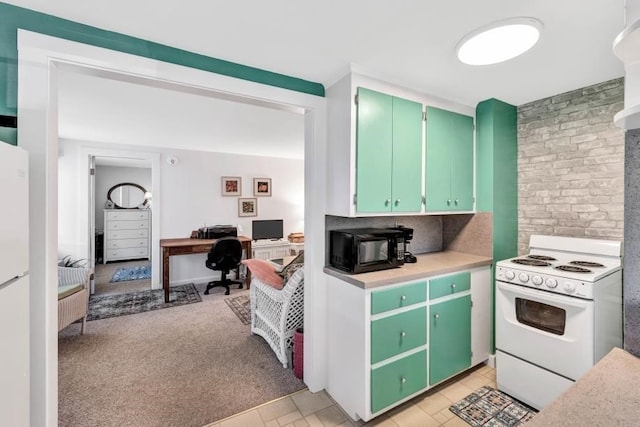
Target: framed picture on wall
x,y
262,186
231,186
247,206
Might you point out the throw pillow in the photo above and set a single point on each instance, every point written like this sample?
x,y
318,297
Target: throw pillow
x,y
264,271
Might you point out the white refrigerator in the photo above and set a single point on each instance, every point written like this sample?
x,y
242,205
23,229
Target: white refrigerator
x,y
14,286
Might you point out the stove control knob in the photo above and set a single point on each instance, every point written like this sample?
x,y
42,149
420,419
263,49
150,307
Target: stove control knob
x,y
510,275
569,287
551,283
537,280
524,278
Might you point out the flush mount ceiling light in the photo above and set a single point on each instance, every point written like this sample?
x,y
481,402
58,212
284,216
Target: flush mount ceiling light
x,y
499,41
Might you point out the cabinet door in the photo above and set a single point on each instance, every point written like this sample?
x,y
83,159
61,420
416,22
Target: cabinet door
x,y
449,161
462,163
438,160
373,151
406,180
449,338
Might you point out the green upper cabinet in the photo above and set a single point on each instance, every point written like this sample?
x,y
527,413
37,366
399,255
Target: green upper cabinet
x,y
388,153
449,161
406,178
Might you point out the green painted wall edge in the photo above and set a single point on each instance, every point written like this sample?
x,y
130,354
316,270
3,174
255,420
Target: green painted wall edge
x,y
14,17
497,179
497,172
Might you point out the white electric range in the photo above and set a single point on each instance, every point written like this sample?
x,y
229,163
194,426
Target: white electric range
x,y
558,311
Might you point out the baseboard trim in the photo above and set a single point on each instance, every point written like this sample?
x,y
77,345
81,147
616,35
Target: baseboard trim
x,y
491,361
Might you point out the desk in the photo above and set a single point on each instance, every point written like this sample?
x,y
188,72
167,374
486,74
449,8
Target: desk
x,y
186,246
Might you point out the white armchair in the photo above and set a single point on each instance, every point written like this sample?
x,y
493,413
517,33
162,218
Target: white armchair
x,y
73,296
276,314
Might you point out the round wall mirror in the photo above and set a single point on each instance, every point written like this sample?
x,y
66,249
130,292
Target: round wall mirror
x,y
127,195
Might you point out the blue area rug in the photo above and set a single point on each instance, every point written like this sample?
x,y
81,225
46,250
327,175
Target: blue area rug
x,y
132,273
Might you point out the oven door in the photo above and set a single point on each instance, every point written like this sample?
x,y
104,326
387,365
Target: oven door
x,y
550,330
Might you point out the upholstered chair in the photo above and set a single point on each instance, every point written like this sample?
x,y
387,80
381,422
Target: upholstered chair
x,y
73,296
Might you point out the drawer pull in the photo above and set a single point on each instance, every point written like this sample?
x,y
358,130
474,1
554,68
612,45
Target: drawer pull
x,y
403,297
403,380
453,286
448,202
437,316
403,334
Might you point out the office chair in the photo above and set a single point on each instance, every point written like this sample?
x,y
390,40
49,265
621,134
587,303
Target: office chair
x,y
224,256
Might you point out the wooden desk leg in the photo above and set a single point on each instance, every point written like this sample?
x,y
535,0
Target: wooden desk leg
x,y
248,278
165,273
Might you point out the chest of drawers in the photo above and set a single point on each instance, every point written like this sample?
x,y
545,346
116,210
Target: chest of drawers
x,y
126,234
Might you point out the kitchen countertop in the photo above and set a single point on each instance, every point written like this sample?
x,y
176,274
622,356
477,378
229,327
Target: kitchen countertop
x,y
607,395
431,264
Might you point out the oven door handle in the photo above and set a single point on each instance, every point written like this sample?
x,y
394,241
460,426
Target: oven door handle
x,y
543,296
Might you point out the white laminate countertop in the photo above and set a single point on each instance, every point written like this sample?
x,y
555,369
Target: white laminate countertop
x,y
431,264
607,395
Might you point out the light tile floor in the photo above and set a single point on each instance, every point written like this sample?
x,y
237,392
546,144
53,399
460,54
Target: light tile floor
x,y
306,409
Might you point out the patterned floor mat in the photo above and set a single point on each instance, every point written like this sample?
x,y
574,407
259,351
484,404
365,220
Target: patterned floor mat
x,y
492,408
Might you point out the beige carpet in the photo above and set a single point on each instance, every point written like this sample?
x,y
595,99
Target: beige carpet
x,y
182,366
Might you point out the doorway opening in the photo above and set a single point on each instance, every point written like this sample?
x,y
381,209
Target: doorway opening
x,y
188,191
39,62
120,245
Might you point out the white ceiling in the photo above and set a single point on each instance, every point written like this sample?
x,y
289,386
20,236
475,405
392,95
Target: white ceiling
x,y
98,109
409,43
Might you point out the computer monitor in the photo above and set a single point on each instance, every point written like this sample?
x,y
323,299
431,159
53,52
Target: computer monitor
x,y
267,229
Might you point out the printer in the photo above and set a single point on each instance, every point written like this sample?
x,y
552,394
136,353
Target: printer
x,y
217,232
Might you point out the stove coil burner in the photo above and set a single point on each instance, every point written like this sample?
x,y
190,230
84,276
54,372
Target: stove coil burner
x,y
542,257
573,269
586,264
530,262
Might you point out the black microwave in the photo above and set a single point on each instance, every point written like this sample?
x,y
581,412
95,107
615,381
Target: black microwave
x,y
360,250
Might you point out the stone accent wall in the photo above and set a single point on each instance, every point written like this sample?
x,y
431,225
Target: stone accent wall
x,y
631,277
571,165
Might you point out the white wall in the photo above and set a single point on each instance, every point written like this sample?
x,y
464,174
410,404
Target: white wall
x,y
108,176
191,196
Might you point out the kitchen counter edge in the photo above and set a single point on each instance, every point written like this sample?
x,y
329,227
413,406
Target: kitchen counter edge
x,y
427,265
607,395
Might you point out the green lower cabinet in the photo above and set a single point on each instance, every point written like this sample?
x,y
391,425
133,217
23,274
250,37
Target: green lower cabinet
x,y
449,338
399,297
396,334
397,380
449,285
